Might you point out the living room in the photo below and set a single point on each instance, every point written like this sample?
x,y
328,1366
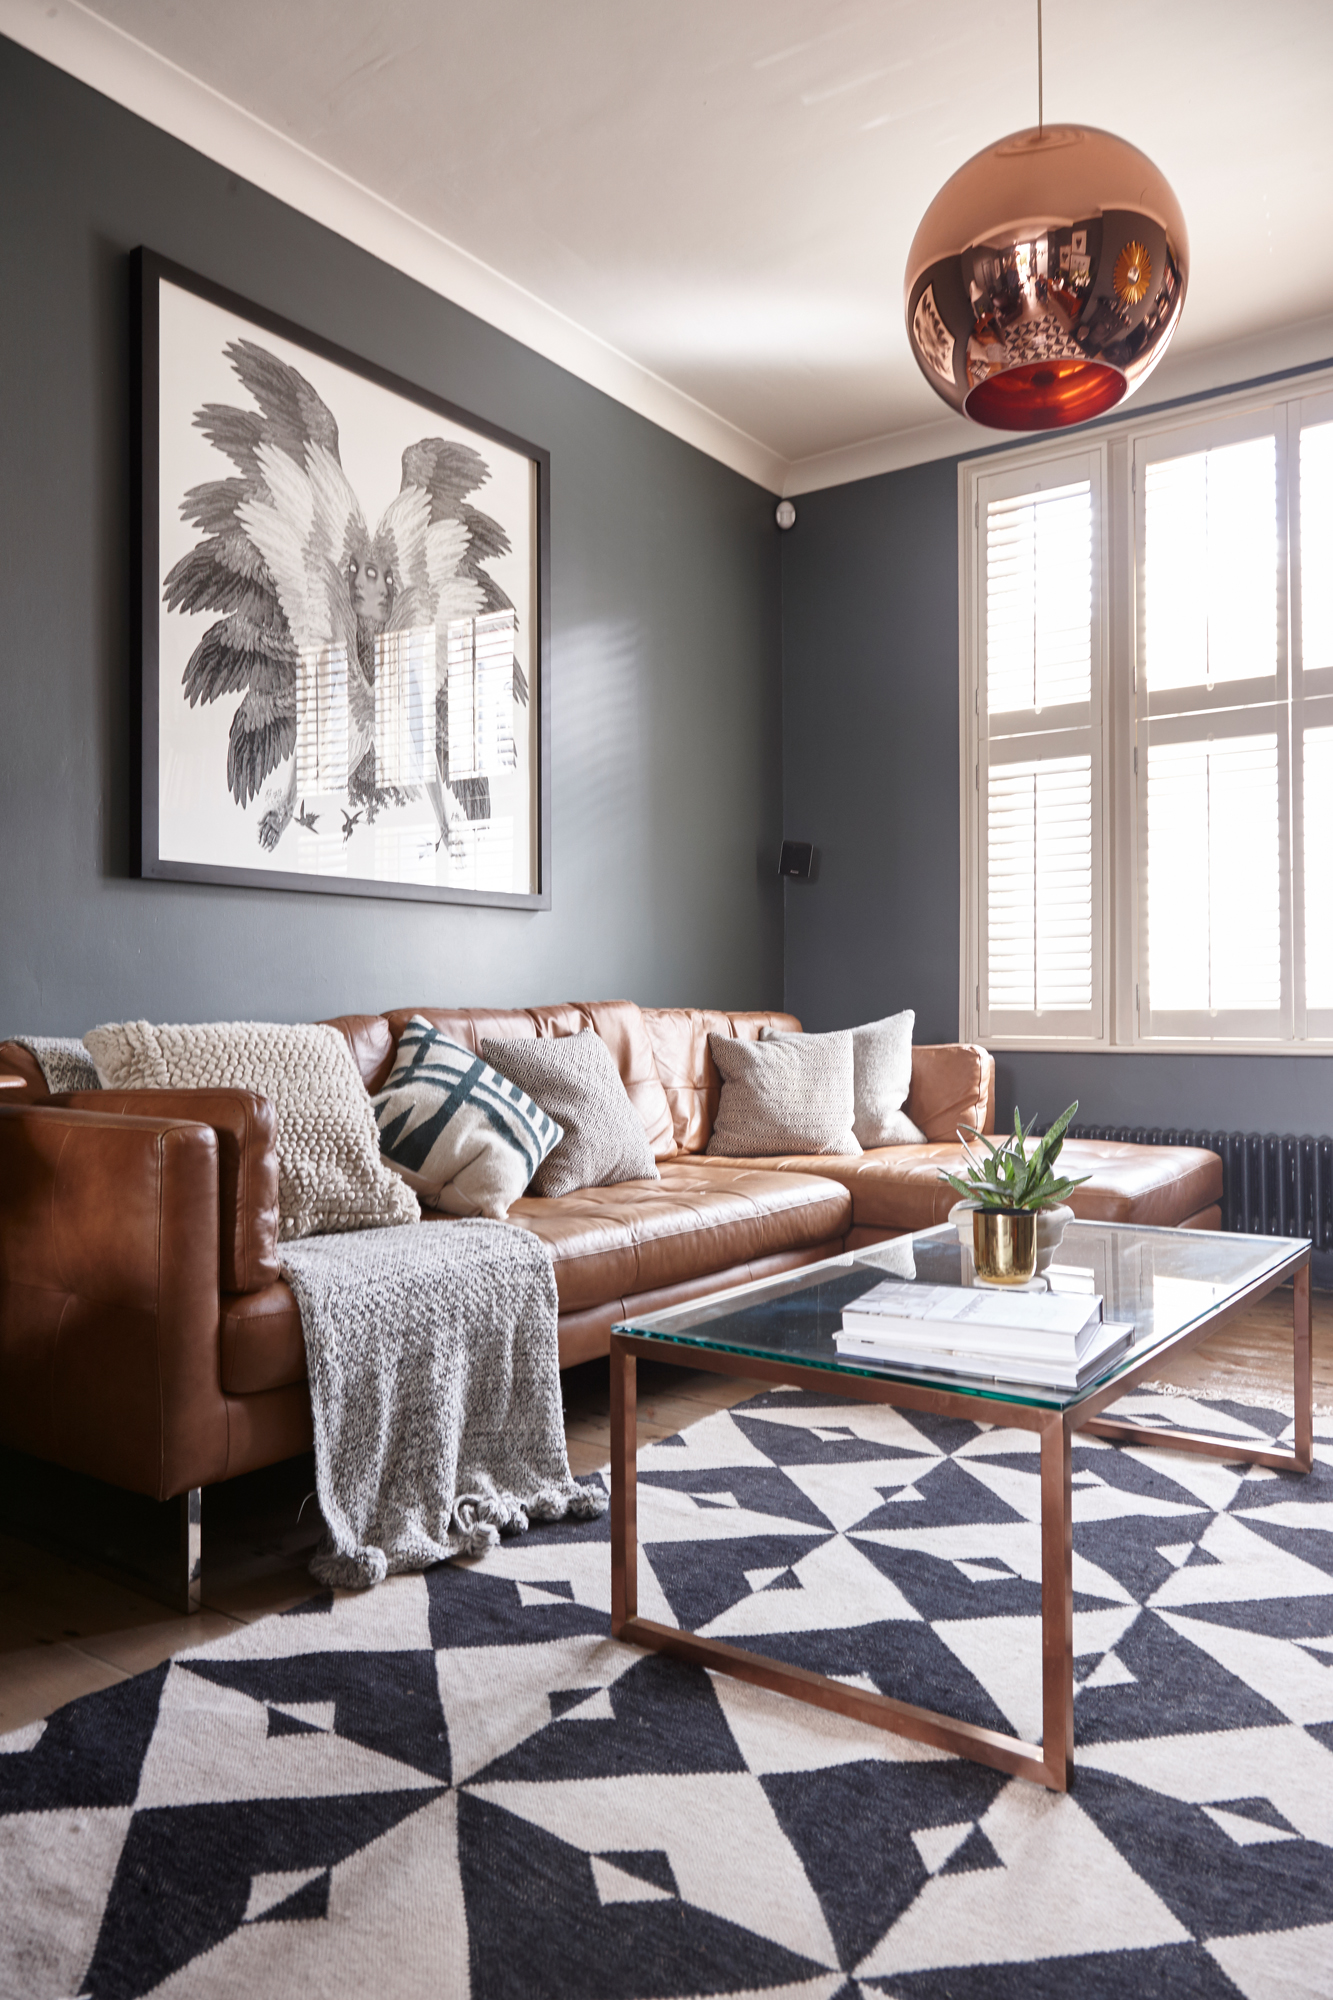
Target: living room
x,y
666,259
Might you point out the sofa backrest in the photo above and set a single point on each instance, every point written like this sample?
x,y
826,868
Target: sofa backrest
x,y
679,1038
662,1055
618,1023
953,1084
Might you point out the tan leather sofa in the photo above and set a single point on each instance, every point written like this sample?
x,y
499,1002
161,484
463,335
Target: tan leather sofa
x,y
147,1337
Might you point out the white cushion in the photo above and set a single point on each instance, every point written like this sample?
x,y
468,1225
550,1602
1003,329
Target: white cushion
x,y
464,1138
881,1078
790,1094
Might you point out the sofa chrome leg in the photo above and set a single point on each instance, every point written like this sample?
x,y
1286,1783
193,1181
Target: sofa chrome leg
x,y
154,1546
190,1506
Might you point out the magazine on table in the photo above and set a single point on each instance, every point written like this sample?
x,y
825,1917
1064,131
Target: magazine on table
x,y
1054,1370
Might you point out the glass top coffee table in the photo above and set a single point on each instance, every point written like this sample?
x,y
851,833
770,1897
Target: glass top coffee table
x,y
1176,1286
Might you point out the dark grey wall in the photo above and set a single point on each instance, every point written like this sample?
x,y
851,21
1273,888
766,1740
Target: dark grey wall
x,y
665,659
870,706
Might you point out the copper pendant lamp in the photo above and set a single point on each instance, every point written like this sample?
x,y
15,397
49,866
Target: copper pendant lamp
x,y
1047,276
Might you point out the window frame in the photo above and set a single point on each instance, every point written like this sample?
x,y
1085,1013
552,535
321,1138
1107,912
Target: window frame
x,y
1123,446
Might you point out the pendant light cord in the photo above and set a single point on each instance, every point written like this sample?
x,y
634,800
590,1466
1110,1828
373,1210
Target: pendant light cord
x,y
1041,119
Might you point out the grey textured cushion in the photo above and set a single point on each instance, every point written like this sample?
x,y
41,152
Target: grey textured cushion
x,y
790,1095
881,1078
575,1081
464,1138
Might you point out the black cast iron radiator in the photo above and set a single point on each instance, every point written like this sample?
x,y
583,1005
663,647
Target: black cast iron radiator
x,y
1271,1185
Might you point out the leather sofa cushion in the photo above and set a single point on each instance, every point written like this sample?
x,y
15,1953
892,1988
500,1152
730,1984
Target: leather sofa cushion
x,y
618,1023
262,1343
606,1244
899,1188
247,1167
679,1039
586,1334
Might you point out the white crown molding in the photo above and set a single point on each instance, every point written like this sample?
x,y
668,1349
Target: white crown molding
x,y
1196,372
80,42
73,38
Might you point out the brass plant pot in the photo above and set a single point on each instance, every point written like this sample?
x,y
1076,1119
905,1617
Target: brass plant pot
x,y
1004,1245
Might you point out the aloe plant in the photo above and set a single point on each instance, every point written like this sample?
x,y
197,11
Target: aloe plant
x,y
1010,1177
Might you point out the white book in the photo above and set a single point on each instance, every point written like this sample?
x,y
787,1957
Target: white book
x,y
903,1335
1111,1341
1056,1323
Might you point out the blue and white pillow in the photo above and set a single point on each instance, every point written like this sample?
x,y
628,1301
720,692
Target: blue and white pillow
x,y
463,1137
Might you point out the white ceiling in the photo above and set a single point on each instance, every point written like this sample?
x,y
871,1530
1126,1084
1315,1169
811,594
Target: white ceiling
x,y
721,193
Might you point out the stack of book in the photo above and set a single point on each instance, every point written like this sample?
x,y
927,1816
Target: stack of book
x,y
1049,1340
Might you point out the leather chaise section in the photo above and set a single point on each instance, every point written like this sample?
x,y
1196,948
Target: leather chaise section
x,y
899,1187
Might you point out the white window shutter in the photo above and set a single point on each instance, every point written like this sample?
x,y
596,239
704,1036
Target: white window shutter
x,y
1214,884
1039,752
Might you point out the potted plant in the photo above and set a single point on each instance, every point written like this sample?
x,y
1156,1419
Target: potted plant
x,y
1005,1191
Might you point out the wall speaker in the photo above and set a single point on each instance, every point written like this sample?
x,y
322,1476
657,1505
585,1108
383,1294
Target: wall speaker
x,y
797,856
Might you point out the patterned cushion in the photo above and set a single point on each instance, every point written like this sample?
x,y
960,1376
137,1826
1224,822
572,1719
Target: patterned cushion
x,y
575,1081
330,1175
790,1095
463,1137
881,1079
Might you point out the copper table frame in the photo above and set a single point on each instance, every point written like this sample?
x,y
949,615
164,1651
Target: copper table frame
x,y
1051,1762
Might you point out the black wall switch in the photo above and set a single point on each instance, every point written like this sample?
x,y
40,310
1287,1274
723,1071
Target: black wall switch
x,y
797,856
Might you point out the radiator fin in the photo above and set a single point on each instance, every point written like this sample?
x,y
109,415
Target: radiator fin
x,y
1271,1185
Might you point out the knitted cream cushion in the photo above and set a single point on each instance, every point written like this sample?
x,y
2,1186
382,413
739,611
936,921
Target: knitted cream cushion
x,y
792,1095
575,1081
881,1079
330,1175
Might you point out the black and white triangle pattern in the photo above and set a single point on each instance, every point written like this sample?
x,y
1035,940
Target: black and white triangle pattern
x,y
459,1785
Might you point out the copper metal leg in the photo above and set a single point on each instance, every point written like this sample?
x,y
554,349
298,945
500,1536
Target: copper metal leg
x,y
1302,1369
1048,1764
624,1512
1057,1604
1281,1457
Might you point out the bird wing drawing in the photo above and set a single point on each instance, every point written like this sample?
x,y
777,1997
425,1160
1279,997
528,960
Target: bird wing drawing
x,y
312,604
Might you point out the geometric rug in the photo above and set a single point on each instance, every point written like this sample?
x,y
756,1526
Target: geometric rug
x,y
458,1784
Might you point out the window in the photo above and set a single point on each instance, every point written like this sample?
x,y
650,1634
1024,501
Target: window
x,y
1147,744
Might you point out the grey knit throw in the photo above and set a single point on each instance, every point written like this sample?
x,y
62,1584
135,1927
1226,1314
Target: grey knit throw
x,y
435,1383
65,1063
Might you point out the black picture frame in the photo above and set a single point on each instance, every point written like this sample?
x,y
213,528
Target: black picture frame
x,y
149,272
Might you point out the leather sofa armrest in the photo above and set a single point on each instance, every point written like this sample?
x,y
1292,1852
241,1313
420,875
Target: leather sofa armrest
x,y
18,1061
109,1304
247,1167
953,1084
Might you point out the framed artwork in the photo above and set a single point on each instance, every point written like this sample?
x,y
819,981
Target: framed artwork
x,y
343,617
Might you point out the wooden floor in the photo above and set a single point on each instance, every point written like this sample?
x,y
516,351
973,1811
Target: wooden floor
x,y
65,1631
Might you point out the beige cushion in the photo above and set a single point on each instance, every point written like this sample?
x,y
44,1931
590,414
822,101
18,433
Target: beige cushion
x,y
575,1081
330,1175
881,1079
794,1094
